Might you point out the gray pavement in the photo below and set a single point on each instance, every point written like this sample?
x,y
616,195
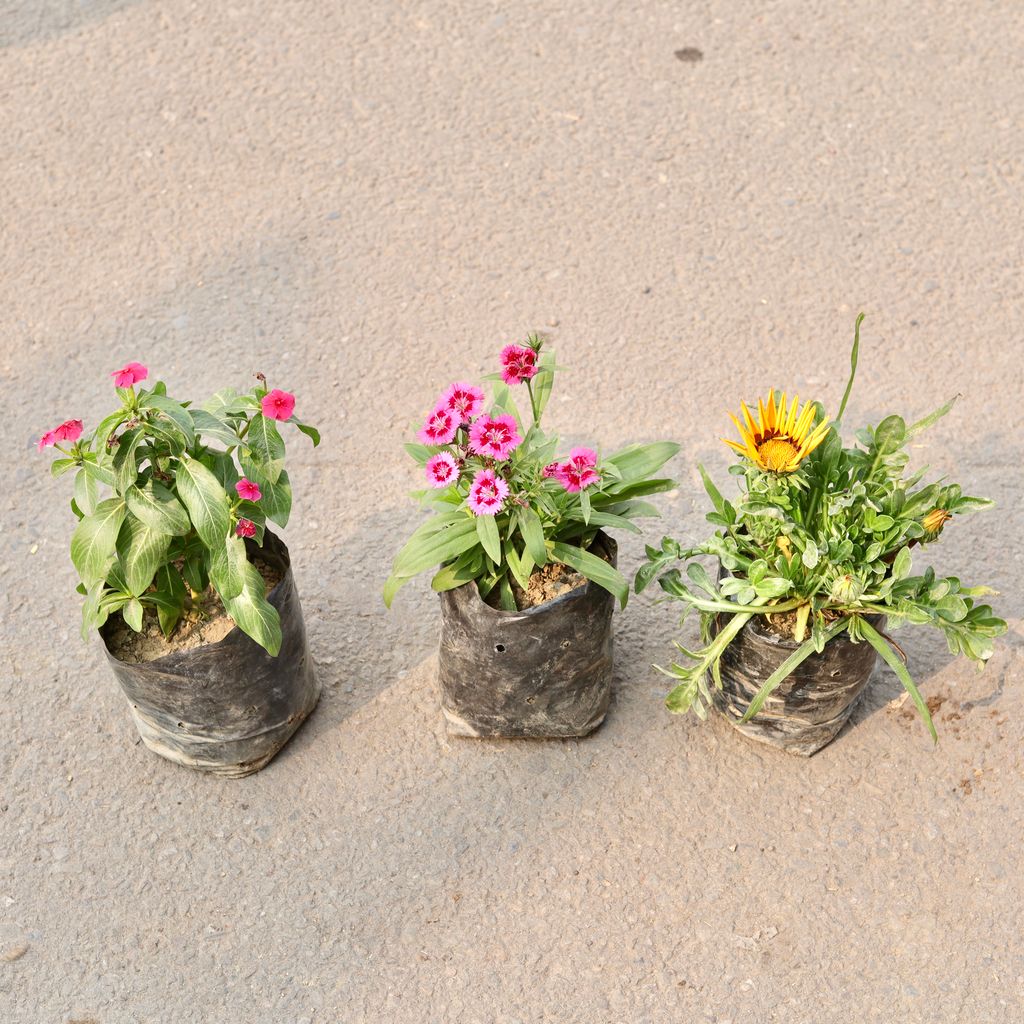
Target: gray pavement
x,y
365,201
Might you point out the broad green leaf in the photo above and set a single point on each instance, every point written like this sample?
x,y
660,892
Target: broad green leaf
x,y
141,551
61,466
132,612
311,432
158,508
173,411
206,501
254,614
901,564
595,569
102,474
212,427
86,492
169,597
94,542
227,567
487,531
266,446
276,500
126,469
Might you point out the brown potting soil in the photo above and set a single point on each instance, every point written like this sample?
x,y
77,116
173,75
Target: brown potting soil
x,y
205,623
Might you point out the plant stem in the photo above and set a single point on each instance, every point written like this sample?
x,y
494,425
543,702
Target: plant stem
x,y
533,403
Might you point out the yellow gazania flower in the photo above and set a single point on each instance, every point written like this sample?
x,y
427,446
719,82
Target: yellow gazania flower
x,y
782,437
934,522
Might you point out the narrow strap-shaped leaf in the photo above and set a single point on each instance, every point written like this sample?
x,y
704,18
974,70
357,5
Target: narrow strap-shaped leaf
x,y
487,531
533,535
798,657
892,659
595,569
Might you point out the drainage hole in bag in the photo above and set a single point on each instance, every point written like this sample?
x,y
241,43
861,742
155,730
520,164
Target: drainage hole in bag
x,y
500,648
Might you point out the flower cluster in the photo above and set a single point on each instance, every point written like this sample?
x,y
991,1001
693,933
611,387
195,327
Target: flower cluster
x,y
468,436
503,509
172,518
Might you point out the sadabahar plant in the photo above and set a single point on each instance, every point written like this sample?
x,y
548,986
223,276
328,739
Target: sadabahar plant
x,y
503,504
166,494
820,539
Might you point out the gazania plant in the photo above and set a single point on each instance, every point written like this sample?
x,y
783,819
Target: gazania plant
x,y
166,494
820,541
504,502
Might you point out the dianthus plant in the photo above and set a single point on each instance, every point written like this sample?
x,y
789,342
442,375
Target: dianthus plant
x,y
826,534
167,494
504,505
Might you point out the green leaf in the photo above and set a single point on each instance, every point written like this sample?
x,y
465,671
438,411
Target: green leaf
x,y
892,659
86,492
227,566
94,542
428,547
487,531
173,411
585,509
533,535
901,564
213,427
276,500
126,468
311,432
132,613
853,366
254,614
798,657
595,569
169,597
158,508
420,452
923,424
61,466
713,492
890,435
266,446
639,461
141,551
206,501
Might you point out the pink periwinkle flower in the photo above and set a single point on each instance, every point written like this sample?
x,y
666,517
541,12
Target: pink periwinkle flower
x,y
129,374
69,430
248,490
465,400
441,426
442,470
578,473
277,405
487,493
246,528
494,437
518,363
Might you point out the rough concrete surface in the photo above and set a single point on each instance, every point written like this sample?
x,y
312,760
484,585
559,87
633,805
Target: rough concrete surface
x,y
366,200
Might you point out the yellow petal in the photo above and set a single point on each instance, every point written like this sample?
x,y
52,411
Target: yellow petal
x,y
771,413
803,424
750,422
745,435
762,416
791,421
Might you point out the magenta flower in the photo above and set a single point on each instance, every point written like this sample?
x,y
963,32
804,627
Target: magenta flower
x,y
277,405
441,426
246,528
465,400
248,490
552,469
442,470
129,374
48,440
487,493
518,363
494,437
578,473
69,430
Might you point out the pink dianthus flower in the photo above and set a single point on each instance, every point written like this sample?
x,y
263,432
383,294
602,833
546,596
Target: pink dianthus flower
x,y
518,363
465,400
487,493
441,426
578,473
494,437
442,470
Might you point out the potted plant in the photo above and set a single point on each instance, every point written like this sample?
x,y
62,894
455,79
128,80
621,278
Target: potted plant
x,y
815,561
192,596
526,573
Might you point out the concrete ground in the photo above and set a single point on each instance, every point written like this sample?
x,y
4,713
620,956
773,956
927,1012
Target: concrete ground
x,y
365,201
